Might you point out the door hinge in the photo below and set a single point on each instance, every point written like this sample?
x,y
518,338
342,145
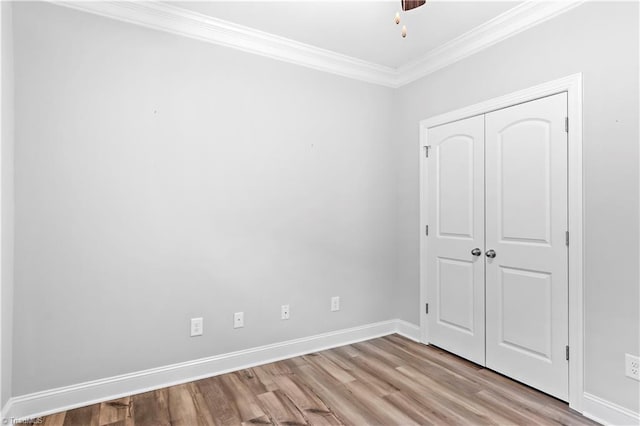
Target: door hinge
x,y
426,150
426,308
567,238
566,124
426,230
567,352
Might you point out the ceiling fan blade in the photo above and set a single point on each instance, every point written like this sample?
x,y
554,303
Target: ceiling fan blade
x,y
411,4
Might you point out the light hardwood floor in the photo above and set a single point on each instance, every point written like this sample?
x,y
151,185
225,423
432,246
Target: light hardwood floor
x,y
385,381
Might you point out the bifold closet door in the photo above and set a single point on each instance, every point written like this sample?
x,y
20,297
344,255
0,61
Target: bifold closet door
x,y
526,220
455,271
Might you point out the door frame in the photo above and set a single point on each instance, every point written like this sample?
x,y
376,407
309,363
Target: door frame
x,y
571,84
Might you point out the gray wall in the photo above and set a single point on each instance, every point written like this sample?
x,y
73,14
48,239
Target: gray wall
x,y
160,178
6,204
601,41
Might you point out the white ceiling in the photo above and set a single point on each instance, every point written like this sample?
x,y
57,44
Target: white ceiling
x,y
360,29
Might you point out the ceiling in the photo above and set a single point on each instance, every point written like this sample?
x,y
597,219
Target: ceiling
x,y
359,29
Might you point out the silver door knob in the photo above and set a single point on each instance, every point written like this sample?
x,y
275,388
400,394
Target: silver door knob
x,y
476,252
490,254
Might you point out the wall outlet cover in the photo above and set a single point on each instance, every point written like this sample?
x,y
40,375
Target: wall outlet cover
x,y
285,312
196,327
335,303
632,366
238,320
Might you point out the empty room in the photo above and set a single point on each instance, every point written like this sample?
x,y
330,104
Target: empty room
x,y
346,212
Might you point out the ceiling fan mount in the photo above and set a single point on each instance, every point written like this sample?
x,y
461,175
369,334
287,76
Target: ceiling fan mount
x,y
411,4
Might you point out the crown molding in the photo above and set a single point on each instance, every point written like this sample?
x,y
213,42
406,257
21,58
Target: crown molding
x,y
174,19
508,24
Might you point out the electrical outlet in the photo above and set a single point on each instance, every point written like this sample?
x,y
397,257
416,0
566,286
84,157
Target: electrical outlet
x,y
196,327
632,366
335,303
238,320
284,312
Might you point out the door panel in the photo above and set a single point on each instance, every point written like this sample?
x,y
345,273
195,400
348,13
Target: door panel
x,y
455,278
455,294
455,186
526,294
523,150
526,221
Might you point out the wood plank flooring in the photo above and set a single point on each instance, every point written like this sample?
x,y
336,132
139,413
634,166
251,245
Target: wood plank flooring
x,y
385,381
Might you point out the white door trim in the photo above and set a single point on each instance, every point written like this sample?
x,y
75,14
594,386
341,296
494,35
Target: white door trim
x,y
573,86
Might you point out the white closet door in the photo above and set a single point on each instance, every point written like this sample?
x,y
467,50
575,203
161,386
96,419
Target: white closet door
x,y
455,277
526,221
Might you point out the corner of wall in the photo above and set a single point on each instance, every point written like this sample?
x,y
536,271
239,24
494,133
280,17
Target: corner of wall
x,y
6,202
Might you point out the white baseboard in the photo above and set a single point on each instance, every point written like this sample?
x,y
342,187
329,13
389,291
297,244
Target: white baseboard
x,y
608,413
408,330
82,394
